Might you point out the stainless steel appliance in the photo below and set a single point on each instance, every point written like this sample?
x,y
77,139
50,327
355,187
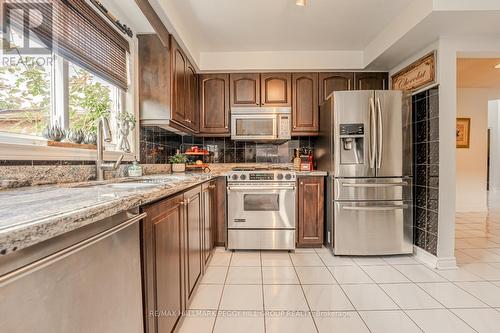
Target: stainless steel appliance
x,y
365,145
86,280
261,123
261,209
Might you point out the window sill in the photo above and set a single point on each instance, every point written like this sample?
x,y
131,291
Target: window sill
x,y
23,147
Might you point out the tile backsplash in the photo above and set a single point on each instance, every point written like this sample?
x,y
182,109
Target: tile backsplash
x,y
426,168
157,144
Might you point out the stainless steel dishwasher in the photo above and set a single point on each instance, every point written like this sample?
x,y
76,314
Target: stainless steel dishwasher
x,y
88,280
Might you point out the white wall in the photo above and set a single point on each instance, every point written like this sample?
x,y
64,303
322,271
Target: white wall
x,y
494,125
472,173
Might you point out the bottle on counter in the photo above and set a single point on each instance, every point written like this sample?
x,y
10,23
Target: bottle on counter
x,y
135,169
310,158
296,160
305,164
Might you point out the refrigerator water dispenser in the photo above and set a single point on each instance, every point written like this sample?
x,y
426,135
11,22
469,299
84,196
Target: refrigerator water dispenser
x,y
352,141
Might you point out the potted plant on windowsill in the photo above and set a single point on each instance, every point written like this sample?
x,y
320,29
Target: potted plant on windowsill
x,y
178,162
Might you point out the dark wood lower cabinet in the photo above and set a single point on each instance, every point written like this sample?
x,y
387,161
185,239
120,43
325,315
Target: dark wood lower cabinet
x,y
162,257
311,216
177,240
194,228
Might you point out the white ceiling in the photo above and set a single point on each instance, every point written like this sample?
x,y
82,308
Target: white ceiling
x,y
280,25
253,35
478,73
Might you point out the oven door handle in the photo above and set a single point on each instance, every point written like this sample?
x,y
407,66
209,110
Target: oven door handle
x,y
259,188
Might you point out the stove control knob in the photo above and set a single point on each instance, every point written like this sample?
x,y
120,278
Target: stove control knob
x,y
234,177
280,176
288,176
243,177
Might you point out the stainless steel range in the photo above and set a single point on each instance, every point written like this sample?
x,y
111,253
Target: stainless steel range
x,y
261,209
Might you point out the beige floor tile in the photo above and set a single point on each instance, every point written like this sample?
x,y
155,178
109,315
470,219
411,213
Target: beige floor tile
x,y
242,297
350,274
220,259
389,321
275,259
197,324
439,321
487,292
410,296
369,261
306,259
482,320
419,273
244,275
451,296
315,275
327,298
284,297
368,297
206,297
348,322
214,275
246,259
458,274
384,274
400,260
331,260
288,324
240,324
279,275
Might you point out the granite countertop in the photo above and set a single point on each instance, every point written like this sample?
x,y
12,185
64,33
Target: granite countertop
x,y
31,215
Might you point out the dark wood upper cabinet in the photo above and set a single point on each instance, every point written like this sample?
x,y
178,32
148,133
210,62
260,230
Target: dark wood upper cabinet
x,y
194,228
335,81
371,81
178,73
305,104
162,256
245,89
191,99
276,89
310,211
214,104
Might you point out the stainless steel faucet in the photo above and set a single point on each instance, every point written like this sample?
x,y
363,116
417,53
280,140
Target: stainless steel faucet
x,y
104,135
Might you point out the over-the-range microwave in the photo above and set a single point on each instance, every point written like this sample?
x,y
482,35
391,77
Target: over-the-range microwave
x,y
261,123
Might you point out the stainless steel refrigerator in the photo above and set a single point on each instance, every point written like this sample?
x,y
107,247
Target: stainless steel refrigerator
x,y
365,146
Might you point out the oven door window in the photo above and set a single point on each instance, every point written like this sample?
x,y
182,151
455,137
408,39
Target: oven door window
x,y
261,202
255,127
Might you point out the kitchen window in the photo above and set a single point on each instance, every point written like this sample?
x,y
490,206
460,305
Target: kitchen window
x,y
72,77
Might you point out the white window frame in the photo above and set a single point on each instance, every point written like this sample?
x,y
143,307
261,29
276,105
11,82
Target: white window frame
x,y
26,147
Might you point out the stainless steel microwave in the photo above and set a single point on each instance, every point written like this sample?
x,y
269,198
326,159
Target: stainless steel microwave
x,y
261,123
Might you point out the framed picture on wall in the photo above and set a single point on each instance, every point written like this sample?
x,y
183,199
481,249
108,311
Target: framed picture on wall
x,y
463,132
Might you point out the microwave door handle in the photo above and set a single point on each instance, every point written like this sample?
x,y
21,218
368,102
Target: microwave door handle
x,y
373,129
380,134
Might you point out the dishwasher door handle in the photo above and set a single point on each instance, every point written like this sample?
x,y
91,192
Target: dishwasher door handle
x,y
260,188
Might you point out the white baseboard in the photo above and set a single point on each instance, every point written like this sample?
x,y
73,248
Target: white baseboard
x,y
433,261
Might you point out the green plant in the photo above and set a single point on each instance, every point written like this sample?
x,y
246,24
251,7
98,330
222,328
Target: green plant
x,y
127,117
88,101
25,95
178,159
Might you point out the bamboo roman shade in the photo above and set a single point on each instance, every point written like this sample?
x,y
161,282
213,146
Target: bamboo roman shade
x,y
72,29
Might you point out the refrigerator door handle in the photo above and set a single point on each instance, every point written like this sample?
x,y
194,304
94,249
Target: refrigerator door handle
x,y
375,184
375,208
380,134
373,129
